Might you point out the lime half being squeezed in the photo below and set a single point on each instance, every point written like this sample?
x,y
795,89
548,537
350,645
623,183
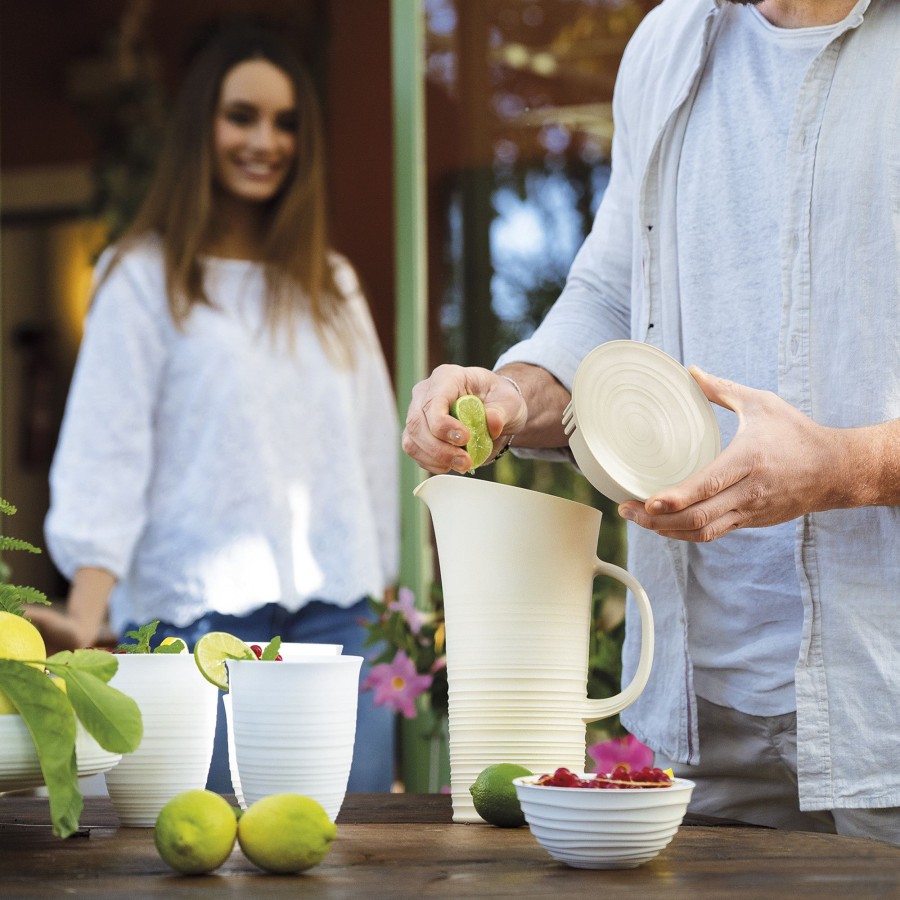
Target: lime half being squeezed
x,y
470,411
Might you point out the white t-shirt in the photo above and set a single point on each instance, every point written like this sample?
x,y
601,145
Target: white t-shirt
x,y
744,623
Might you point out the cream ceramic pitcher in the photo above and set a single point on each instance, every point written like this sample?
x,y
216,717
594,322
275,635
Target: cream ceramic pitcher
x,y
517,572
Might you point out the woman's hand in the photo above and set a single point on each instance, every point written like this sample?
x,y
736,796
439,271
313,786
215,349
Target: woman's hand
x,y
85,617
780,465
59,630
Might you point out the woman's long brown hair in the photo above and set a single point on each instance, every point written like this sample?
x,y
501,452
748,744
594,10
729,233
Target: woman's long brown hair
x,y
179,206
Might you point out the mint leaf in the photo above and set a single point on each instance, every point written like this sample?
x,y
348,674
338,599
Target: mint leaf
x,y
48,715
177,646
272,649
142,636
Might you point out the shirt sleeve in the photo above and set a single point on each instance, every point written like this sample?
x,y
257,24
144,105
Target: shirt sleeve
x,y
104,458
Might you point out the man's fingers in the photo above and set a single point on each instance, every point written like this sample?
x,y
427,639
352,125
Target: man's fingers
x,y
720,391
432,453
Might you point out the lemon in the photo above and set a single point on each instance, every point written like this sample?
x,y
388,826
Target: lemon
x,y
165,642
494,795
211,651
285,833
19,639
470,411
195,832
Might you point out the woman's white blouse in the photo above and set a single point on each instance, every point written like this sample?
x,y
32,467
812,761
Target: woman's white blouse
x,y
215,467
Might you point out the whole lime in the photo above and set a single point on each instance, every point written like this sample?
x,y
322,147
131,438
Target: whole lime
x,y
494,795
195,832
286,833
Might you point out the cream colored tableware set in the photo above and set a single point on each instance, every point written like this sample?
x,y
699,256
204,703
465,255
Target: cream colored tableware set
x,y
518,597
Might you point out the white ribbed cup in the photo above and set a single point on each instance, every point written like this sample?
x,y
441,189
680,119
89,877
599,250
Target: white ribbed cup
x,y
294,726
178,708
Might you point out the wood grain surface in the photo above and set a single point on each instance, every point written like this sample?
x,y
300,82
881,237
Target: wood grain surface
x,y
404,845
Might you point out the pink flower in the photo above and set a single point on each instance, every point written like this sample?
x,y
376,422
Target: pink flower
x,y
626,751
406,604
397,684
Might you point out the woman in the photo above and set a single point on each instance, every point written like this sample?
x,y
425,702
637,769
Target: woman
x,y
227,460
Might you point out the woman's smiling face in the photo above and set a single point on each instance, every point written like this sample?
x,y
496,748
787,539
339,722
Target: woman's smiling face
x,y
255,131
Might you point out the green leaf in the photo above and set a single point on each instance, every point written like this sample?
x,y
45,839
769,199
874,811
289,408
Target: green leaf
x,y
142,636
100,663
7,508
177,646
272,648
48,715
112,718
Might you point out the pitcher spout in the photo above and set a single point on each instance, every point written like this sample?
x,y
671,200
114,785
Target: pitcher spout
x,y
430,489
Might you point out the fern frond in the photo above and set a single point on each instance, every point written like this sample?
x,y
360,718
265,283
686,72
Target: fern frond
x,y
13,598
7,508
11,543
10,600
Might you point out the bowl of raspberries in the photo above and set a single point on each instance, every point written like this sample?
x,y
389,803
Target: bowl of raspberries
x,y
615,820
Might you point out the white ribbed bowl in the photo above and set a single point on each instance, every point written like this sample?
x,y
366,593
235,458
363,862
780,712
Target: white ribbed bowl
x,y
19,764
589,828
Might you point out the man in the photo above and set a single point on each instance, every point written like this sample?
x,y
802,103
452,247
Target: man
x,y
752,227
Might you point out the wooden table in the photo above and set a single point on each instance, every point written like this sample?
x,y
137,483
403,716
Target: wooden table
x,y
404,845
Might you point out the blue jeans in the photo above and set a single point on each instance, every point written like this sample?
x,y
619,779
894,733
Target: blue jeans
x,y
321,623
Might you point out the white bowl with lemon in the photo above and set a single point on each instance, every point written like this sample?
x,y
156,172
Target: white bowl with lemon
x,y
20,766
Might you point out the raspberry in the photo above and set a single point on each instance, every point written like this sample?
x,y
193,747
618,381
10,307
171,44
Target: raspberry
x,y
619,779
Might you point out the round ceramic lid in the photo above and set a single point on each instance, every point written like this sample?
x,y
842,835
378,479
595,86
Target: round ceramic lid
x,y
638,421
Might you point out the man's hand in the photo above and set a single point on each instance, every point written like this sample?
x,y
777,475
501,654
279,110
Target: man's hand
x,y
435,440
780,465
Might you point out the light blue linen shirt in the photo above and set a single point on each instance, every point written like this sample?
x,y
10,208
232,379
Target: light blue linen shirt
x,y
838,362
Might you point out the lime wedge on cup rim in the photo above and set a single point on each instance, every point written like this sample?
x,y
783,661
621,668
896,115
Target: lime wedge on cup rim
x,y
213,649
470,411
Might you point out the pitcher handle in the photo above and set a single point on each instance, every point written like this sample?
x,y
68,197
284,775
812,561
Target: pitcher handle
x,y
603,709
